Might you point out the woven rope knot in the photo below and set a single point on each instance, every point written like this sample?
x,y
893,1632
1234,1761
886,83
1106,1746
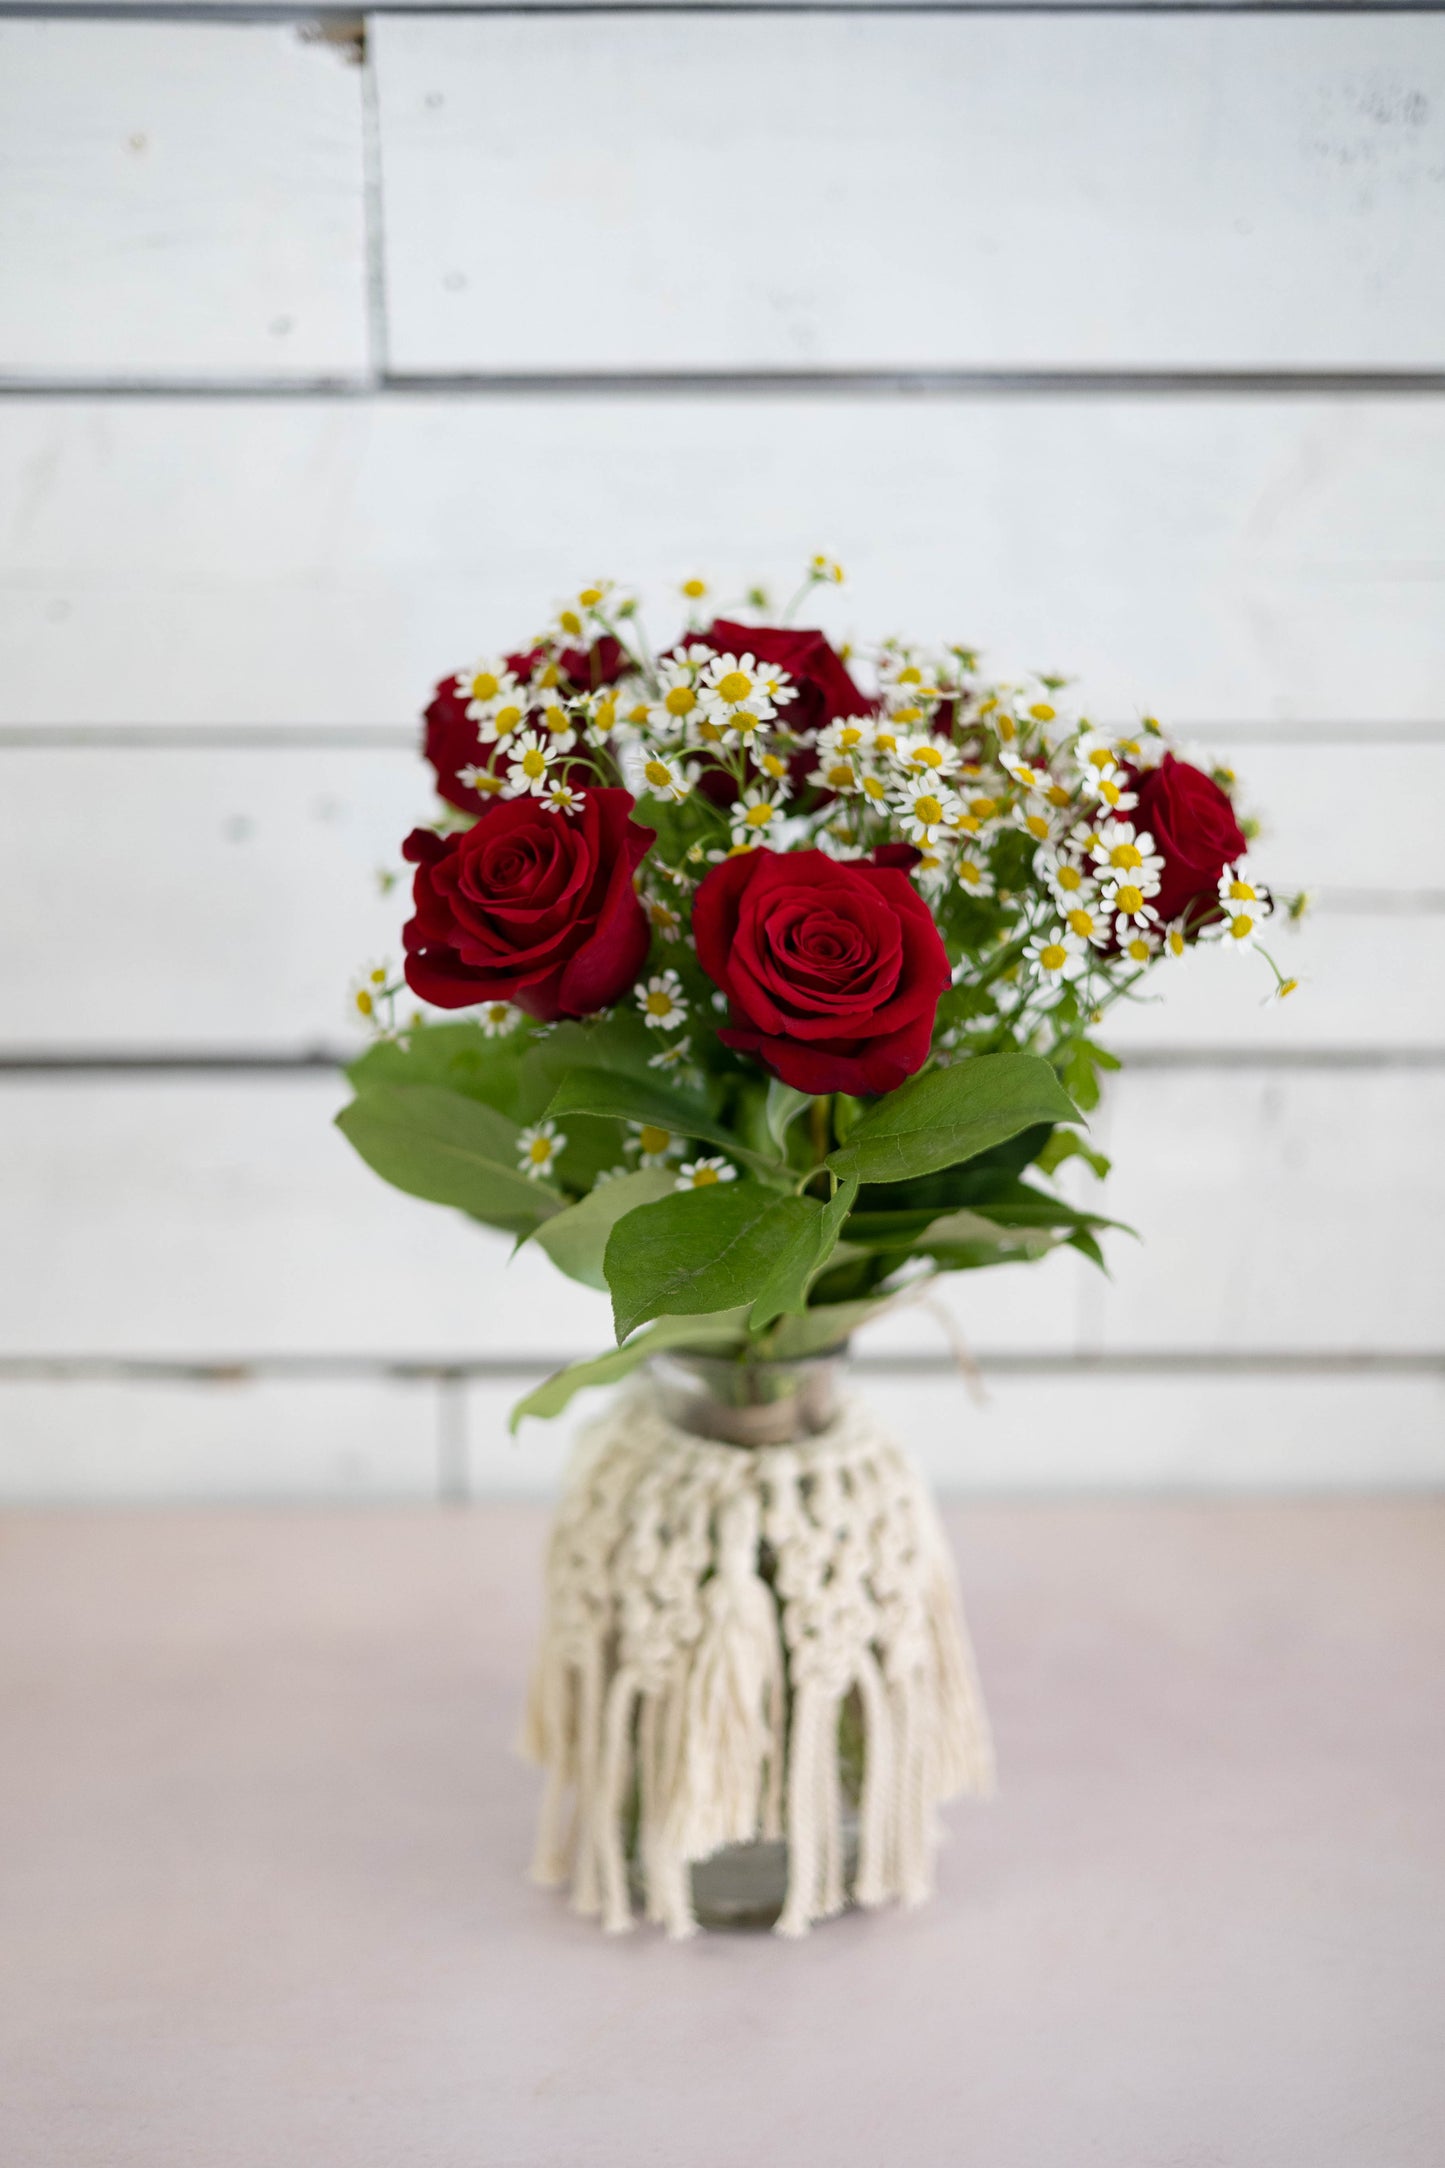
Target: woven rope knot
x,y
671,1671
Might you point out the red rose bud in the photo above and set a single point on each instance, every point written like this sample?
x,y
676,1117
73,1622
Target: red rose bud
x,y
833,971
530,906
1194,830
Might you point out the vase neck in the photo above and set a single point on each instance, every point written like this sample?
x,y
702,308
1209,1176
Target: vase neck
x,y
745,1403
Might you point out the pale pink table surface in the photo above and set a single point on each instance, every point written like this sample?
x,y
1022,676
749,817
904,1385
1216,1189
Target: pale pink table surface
x,y
262,1850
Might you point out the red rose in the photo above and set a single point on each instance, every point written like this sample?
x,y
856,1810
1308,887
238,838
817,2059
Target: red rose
x,y
452,742
529,906
1194,830
832,970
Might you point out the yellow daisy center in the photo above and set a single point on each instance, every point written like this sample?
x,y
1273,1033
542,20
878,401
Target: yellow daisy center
x,y
1241,892
590,597
733,686
1082,923
485,686
704,1177
968,873
985,808
534,762
604,715
839,776
681,700
556,719
694,589
1069,878
1037,826
928,808
1042,712
1241,927
659,1003
873,787
926,756
539,1151
1126,855
1053,956
653,1139
910,676
1129,898
758,816
658,772
570,622
908,715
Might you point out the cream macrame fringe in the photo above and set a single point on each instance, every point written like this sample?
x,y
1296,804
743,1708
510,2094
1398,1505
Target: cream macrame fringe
x,y
671,1675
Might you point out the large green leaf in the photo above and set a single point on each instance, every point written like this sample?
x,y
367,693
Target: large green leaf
x,y
702,1250
949,1115
827,1326
800,1257
453,1150
645,1099
784,1105
718,1335
576,1240
458,1057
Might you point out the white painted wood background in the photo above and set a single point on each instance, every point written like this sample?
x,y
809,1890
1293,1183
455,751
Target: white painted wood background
x,y
1113,341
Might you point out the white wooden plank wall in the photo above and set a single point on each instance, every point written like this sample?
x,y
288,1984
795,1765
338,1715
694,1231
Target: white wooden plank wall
x,y
1112,340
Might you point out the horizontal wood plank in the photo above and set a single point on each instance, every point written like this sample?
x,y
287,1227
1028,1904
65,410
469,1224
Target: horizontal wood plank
x,y
1220,560
933,190
246,1439
223,1219
180,200
196,901
136,1440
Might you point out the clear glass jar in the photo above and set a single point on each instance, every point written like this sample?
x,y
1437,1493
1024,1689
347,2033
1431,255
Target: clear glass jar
x,y
754,1406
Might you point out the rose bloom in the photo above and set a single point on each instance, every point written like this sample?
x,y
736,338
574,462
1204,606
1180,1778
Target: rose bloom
x,y
452,742
833,971
529,906
1195,833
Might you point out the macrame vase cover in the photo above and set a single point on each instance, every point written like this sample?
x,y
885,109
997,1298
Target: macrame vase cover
x,y
674,1684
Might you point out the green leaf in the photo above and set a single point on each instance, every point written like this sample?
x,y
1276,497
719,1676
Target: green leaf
x,y
947,1115
643,1099
450,1149
576,1240
714,1335
458,1057
801,1257
827,1326
962,1239
1068,1144
784,1105
1080,1071
701,1250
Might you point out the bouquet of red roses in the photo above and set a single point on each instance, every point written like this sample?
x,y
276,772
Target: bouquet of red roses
x,y
780,966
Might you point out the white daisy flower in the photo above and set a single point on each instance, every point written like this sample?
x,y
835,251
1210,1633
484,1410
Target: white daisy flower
x,y
1123,853
538,1149
1139,946
926,756
1245,905
755,813
1054,957
1130,904
1033,822
484,780
671,1057
1176,940
504,719
560,797
1085,925
703,1173
668,777
1066,880
1095,756
662,1001
678,706
603,712
497,1018
1027,773
738,697
529,756
825,568
662,918
925,807
487,686
972,874
654,1146
555,718
849,735
1110,792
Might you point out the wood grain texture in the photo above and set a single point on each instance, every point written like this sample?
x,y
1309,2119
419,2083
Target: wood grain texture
x,y
1219,560
892,192
180,200
220,1218
225,900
